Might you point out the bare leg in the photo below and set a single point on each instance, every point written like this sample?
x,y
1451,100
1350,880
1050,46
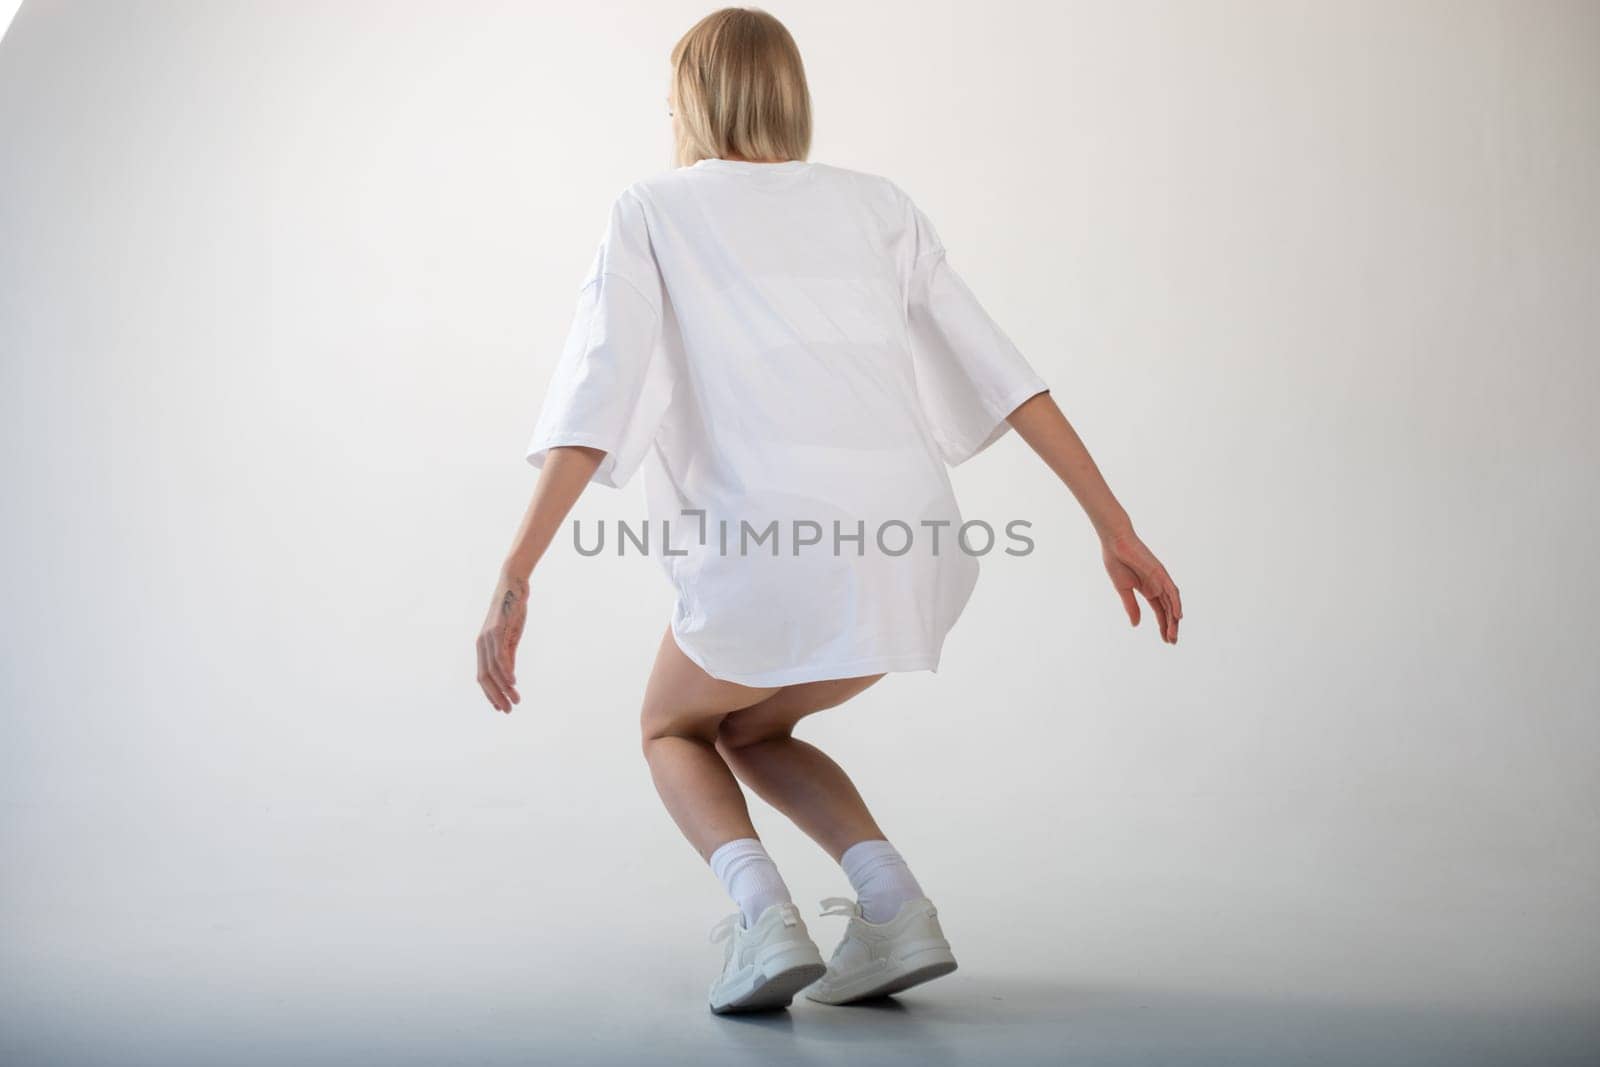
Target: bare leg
x,y
796,778
683,706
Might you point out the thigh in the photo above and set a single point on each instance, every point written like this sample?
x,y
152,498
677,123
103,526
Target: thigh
x,y
778,713
682,700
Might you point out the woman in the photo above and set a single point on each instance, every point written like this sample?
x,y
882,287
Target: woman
x,y
785,347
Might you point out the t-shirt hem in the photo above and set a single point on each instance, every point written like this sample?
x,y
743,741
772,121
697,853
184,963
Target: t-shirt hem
x,y
817,672
605,474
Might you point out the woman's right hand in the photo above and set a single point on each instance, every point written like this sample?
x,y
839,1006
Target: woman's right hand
x,y
497,642
567,469
1133,567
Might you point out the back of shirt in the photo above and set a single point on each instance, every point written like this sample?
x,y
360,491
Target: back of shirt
x,y
787,347
764,313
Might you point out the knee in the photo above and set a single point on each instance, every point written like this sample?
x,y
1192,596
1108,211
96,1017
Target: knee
x,y
659,724
740,730
652,728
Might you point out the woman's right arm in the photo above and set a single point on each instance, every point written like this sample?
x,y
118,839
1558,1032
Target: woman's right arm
x,y
566,471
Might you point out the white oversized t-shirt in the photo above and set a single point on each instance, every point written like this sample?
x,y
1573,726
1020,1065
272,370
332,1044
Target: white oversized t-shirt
x,y
786,350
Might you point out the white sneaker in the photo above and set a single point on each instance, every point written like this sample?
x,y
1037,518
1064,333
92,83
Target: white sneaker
x,y
876,959
764,965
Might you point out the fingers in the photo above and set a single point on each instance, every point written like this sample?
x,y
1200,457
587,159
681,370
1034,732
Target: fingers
x,y
493,657
491,688
1169,589
1163,620
1158,604
1158,588
1174,605
496,698
1130,604
1156,594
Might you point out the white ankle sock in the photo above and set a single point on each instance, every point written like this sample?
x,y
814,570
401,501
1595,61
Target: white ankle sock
x,y
749,876
881,879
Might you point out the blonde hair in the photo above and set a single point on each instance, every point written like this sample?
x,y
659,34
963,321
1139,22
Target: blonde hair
x,y
739,89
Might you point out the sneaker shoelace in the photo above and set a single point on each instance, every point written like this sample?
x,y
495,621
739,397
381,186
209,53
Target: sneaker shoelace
x,y
839,906
725,927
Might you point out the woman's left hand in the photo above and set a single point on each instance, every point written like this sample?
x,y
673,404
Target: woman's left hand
x,y
497,642
1134,568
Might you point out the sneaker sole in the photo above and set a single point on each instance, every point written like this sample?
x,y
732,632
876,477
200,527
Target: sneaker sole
x,y
760,991
914,970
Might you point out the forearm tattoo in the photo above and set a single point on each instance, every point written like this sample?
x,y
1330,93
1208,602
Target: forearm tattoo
x,y
514,594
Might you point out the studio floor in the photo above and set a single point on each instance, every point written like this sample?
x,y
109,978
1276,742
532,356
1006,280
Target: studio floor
x,y
433,1014
390,941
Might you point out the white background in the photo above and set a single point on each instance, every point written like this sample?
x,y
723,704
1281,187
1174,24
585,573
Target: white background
x,y
280,288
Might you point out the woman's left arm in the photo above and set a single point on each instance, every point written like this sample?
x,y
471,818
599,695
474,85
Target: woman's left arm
x,y
1130,565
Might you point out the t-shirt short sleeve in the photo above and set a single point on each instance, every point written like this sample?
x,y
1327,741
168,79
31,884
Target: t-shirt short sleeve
x,y
613,383
970,376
